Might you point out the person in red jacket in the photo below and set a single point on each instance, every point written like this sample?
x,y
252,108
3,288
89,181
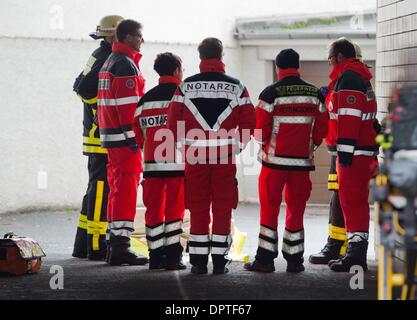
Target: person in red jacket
x,y
120,87
163,183
352,112
212,115
336,244
293,120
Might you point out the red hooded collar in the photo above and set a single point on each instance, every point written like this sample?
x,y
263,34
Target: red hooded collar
x,y
169,79
212,65
289,72
122,48
349,64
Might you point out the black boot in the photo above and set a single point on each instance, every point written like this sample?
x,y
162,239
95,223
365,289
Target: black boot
x,y
331,251
177,265
97,256
355,256
120,254
80,243
174,259
259,267
199,269
107,251
125,256
219,264
295,267
157,259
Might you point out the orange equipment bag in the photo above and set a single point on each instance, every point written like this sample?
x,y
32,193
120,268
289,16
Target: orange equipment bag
x,y
19,255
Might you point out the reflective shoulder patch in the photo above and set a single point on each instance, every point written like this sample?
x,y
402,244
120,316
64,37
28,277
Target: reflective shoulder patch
x,y
89,65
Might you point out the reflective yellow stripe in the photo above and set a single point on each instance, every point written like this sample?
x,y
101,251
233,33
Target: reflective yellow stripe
x,y
337,233
333,186
98,228
384,291
99,200
92,132
397,279
389,273
97,212
381,180
90,101
332,177
92,140
343,248
404,292
94,149
82,223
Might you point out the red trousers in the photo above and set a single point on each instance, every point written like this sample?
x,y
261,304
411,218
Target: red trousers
x,y
212,185
123,174
297,191
163,199
354,193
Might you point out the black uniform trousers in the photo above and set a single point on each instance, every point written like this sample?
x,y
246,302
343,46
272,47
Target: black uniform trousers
x,y
90,240
337,230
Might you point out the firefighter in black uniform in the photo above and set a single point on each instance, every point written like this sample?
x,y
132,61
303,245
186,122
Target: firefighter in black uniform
x,y
90,240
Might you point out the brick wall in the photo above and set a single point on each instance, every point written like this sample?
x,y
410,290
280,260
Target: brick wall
x,y
396,48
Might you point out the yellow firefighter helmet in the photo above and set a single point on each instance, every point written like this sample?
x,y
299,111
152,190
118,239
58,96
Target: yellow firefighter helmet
x,y
106,27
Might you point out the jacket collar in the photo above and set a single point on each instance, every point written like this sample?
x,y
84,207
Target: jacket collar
x,y
169,79
122,48
105,45
352,64
289,72
212,65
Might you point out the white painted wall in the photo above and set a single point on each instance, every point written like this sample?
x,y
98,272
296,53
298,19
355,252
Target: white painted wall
x,y
41,118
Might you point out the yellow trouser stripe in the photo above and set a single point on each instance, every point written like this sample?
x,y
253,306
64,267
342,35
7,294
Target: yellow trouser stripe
x,y
82,223
337,233
97,213
94,149
343,248
333,186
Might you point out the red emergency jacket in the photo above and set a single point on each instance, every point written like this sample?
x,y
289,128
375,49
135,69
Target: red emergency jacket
x,y
293,120
120,87
352,109
219,107
150,117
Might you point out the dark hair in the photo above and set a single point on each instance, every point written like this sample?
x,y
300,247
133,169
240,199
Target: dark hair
x,y
210,48
166,63
343,46
126,27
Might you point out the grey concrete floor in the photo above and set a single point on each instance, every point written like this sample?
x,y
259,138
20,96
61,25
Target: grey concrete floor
x,y
95,280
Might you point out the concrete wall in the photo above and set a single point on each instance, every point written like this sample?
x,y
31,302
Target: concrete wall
x,y
396,48
41,118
